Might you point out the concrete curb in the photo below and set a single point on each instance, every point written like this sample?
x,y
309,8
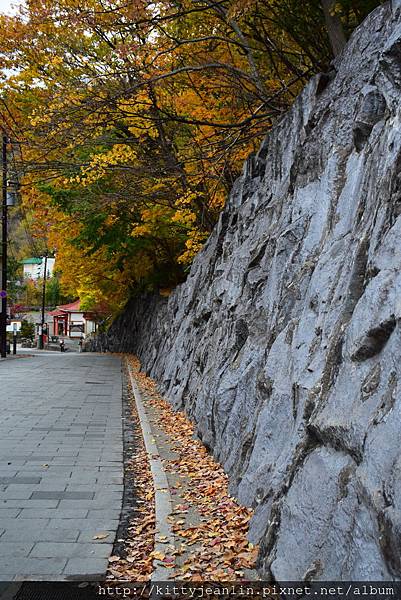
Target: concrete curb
x,y
163,501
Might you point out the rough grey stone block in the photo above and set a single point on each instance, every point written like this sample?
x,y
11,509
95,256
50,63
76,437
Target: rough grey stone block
x,y
396,4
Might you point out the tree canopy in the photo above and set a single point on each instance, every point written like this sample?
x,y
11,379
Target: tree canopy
x,y
129,121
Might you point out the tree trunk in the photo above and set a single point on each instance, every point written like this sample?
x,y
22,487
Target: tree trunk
x,y
334,27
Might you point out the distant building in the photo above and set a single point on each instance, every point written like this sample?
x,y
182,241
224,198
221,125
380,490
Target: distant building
x,y
34,268
70,321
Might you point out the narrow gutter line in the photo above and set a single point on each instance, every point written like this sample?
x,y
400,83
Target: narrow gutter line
x,y
163,500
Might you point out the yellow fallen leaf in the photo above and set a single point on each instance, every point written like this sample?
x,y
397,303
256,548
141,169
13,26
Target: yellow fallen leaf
x,y
101,536
113,559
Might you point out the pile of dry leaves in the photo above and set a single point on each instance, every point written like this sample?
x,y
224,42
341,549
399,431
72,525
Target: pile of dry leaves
x,y
220,551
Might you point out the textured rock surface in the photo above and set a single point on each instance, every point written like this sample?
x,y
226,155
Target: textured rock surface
x,y
284,343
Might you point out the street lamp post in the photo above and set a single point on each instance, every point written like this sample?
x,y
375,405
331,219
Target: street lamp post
x,y
3,291
8,198
42,320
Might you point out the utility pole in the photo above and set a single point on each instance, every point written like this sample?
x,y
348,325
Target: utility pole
x,y
42,320
3,291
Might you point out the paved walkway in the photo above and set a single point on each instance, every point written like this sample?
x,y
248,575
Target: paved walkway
x,y
61,465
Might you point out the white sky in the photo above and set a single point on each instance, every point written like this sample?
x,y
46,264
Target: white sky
x,y
6,6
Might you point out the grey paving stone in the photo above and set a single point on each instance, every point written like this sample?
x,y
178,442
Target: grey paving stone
x,y
111,470
85,479
66,461
5,513
52,513
97,536
64,452
42,534
55,470
94,568
29,457
113,480
50,429
71,550
64,496
84,524
31,470
30,503
100,503
23,524
109,492
19,480
18,491
58,482
78,495
43,566
81,487
33,566
99,513
15,549
48,486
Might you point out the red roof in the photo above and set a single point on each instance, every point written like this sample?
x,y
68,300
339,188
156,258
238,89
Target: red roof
x,y
66,308
72,307
56,313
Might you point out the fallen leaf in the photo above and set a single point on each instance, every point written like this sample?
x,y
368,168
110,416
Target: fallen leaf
x,y
113,559
158,555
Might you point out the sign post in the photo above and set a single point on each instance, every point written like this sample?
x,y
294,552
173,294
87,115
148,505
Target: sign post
x,y
15,338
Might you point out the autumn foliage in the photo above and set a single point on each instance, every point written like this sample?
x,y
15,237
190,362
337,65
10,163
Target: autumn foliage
x,y
130,121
